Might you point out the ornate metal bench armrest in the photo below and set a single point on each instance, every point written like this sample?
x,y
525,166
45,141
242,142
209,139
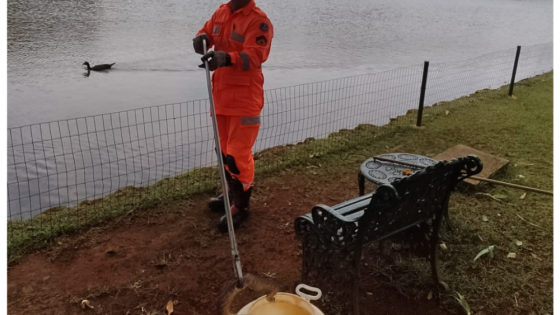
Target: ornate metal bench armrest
x,y
329,226
472,166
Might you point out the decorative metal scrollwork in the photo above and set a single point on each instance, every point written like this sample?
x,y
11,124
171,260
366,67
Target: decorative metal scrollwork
x,y
409,208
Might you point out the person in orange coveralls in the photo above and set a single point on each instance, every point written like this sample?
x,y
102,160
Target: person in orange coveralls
x,y
241,35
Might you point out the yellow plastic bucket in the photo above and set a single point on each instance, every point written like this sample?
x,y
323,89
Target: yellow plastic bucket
x,y
285,304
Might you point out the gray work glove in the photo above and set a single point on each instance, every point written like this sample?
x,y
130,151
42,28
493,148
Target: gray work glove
x,y
216,59
197,43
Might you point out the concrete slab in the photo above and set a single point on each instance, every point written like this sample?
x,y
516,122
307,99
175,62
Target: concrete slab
x,y
491,164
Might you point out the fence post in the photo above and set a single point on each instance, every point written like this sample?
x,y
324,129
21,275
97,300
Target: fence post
x,y
422,94
514,70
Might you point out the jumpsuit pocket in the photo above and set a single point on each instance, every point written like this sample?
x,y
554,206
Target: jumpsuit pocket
x,y
244,80
235,42
217,31
237,87
217,28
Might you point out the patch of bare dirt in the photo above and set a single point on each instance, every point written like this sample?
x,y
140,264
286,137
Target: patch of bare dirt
x,y
175,252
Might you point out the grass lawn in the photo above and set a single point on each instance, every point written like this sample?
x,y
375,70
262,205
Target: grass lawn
x,y
519,129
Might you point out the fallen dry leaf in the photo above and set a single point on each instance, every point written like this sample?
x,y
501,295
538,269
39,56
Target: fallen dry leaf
x,y
443,247
369,293
523,196
407,172
430,295
489,195
86,303
489,251
269,274
463,303
169,307
446,112
512,255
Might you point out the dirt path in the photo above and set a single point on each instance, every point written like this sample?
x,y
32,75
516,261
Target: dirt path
x,y
176,252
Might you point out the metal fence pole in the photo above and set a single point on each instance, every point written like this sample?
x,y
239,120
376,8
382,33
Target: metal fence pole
x,y
514,70
422,94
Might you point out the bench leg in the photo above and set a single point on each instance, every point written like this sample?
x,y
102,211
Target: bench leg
x,y
434,252
382,246
446,215
321,269
361,183
356,284
356,297
448,221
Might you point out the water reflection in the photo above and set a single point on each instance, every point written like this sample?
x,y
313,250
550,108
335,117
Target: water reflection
x,y
314,40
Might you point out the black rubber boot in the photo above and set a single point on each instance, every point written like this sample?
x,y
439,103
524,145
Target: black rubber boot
x,y
240,208
238,218
217,204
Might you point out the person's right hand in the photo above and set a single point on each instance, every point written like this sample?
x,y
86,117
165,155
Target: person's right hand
x,y
197,43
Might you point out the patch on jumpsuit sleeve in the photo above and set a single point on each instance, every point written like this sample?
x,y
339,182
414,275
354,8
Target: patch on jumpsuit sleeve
x,y
264,27
261,40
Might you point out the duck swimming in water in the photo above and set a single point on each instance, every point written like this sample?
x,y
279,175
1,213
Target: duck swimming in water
x,y
98,67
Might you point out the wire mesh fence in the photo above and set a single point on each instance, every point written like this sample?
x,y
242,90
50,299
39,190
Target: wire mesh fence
x,y
66,174
316,110
534,60
452,80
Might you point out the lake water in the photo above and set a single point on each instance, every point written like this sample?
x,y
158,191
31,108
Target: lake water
x,y
314,40
122,143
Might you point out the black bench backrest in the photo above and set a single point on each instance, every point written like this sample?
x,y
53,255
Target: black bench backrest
x,y
420,197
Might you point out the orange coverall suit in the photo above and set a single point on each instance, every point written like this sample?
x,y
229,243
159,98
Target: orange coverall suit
x,y
238,93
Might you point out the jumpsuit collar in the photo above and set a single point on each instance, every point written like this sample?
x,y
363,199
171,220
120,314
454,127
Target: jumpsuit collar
x,y
246,9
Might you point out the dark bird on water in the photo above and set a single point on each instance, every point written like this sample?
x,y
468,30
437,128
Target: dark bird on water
x,y
98,67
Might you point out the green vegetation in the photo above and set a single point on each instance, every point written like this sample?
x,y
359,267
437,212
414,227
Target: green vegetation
x,y
514,222
519,129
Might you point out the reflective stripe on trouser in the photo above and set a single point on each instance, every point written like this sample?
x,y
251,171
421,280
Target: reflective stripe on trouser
x,y
237,137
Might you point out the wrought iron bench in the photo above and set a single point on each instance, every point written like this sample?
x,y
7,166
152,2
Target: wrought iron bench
x,y
333,237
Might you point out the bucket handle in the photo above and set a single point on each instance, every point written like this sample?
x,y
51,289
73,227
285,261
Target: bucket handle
x,y
308,288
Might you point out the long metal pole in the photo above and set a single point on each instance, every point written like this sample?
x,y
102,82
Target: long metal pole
x,y
475,178
233,242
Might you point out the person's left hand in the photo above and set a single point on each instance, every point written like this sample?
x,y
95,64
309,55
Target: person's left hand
x,y
216,59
